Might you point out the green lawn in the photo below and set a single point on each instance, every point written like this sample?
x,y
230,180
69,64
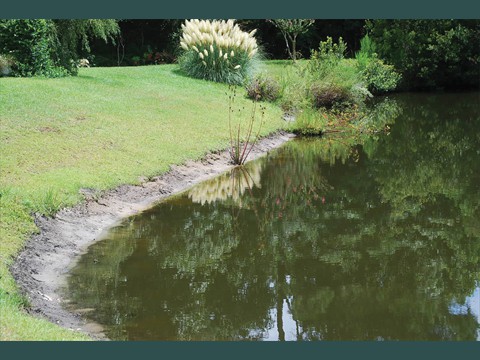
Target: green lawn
x,y
100,129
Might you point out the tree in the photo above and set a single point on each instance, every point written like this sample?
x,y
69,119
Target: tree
x,y
74,36
430,53
290,29
51,48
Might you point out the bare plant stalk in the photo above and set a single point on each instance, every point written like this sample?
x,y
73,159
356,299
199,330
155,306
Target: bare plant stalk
x,y
239,150
257,135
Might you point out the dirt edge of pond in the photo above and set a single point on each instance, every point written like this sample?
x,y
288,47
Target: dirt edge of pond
x,y
41,268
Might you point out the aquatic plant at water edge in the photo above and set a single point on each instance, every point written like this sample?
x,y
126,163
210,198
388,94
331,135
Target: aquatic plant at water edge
x,y
217,51
243,137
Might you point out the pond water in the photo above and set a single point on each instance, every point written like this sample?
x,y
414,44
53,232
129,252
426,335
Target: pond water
x,y
343,238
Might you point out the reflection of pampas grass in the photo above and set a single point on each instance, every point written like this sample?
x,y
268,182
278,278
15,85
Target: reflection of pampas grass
x,y
228,51
231,185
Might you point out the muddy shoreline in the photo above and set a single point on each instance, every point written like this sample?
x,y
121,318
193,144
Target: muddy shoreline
x,y
40,270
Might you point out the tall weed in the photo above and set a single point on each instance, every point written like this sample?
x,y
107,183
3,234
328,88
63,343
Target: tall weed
x,y
243,135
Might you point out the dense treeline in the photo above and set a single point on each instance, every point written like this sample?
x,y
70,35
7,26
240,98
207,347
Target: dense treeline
x,y
150,41
429,54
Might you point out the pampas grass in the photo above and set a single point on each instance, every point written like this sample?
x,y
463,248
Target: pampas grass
x,y
217,51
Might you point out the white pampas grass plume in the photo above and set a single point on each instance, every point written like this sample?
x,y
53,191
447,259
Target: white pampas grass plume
x,y
183,45
201,56
237,67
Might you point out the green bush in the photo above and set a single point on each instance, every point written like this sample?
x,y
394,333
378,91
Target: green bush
x,y
31,44
50,48
324,60
217,51
367,51
335,82
328,95
263,88
379,77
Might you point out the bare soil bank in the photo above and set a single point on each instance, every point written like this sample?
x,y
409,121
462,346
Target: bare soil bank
x,y
41,268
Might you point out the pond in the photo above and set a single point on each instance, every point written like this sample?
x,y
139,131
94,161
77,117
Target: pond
x,y
343,238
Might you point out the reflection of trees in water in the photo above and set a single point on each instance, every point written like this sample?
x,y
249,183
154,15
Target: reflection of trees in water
x,y
377,246
100,273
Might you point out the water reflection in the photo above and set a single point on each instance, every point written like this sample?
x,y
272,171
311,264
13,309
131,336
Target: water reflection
x,y
366,238
229,186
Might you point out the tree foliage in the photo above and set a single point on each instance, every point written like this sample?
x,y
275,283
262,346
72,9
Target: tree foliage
x,y
31,46
74,37
51,48
290,29
430,53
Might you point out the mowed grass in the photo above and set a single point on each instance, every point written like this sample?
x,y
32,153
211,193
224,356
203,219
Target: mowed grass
x,y
103,128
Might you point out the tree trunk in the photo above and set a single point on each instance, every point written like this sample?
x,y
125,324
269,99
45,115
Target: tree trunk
x,y
294,48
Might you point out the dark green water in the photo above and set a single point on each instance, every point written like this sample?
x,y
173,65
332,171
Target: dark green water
x,y
366,238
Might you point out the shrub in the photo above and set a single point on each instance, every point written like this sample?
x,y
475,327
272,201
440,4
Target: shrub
x,y
379,77
217,51
263,88
329,95
367,51
49,48
327,57
31,43
335,81
158,57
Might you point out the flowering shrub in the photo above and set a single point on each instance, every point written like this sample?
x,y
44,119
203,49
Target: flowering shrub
x,y
217,50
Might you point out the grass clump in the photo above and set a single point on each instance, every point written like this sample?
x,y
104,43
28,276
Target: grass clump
x,y
217,51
